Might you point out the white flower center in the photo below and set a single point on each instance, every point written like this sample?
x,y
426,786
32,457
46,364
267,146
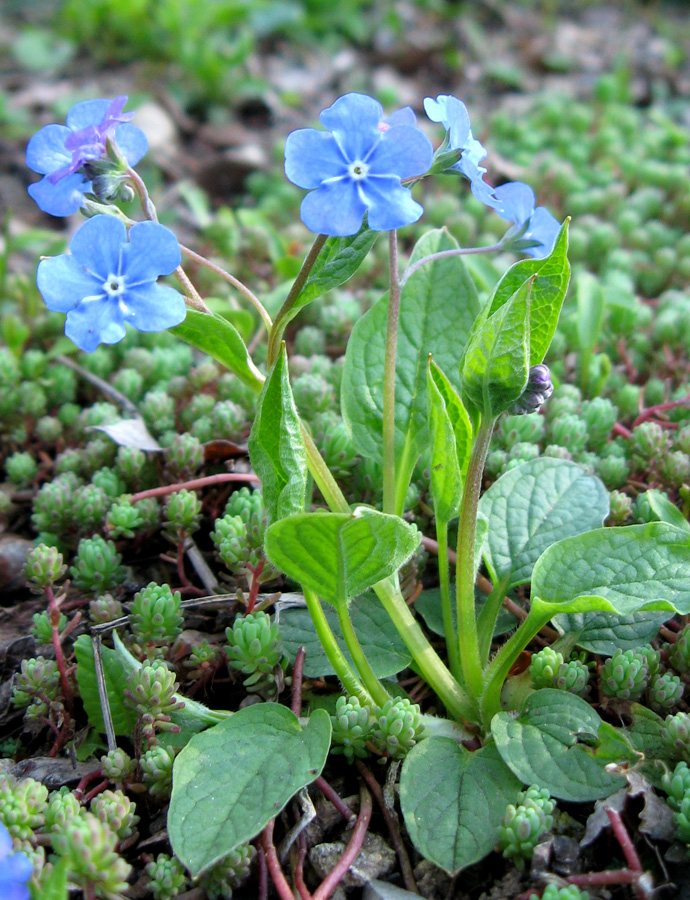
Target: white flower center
x,y
358,170
114,286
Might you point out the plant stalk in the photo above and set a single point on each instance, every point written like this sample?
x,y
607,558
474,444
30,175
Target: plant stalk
x,y
389,376
378,693
446,603
468,643
486,621
287,311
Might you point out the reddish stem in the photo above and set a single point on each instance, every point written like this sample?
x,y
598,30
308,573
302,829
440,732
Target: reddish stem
x,y
297,673
274,868
54,613
300,884
101,786
87,779
195,484
263,874
623,838
254,586
621,430
333,797
660,407
337,873
393,827
610,876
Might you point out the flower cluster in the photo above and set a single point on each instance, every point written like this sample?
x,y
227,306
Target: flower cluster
x,y
61,153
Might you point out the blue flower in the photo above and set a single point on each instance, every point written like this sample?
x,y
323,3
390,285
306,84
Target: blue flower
x,y
15,870
59,152
106,280
452,114
357,166
515,202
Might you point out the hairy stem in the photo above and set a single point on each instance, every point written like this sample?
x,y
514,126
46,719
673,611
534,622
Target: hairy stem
x,y
442,254
446,607
287,310
389,376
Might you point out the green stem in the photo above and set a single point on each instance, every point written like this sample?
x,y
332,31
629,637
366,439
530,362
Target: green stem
x,y
465,571
442,254
322,475
366,673
287,310
389,377
500,666
335,655
446,608
426,660
487,617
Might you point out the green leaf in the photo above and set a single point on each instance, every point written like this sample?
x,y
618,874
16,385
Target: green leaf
x,y
602,632
53,883
453,801
229,781
428,605
338,261
495,366
437,308
338,555
276,447
378,636
218,338
451,443
531,507
617,570
646,734
124,719
548,292
665,511
545,745
590,310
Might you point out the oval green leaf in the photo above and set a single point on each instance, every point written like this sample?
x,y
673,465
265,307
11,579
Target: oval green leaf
x,y
617,570
338,555
231,780
533,506
453,801
541,746
603,632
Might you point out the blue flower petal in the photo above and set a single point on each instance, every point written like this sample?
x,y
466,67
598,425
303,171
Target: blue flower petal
x,y
311,157
154,307
61,199
452,114
88,112
335,208
153,250
45,152
354,120
63,283
5,842
515,202
98,245
404,116
132,142
402,151
95,322
543,227
390,204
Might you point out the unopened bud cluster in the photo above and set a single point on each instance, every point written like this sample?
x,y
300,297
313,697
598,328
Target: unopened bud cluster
x,y
254,647
524,823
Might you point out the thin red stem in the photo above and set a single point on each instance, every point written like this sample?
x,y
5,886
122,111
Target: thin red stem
x,y
54,613
297,674
101,786
274,868
660,407
623,838
194,484
333,797
300,884
337,873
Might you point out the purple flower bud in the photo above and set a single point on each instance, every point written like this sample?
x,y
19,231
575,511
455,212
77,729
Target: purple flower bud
x,y
540,380
536,393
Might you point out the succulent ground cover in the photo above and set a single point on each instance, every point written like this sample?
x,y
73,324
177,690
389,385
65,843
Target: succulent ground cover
x,y
134,548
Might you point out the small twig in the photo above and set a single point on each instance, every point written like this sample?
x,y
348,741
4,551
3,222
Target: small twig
x,y
102,385
334,797
195,484
103,691
273,863
201,567
297,673
393,826
335,876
